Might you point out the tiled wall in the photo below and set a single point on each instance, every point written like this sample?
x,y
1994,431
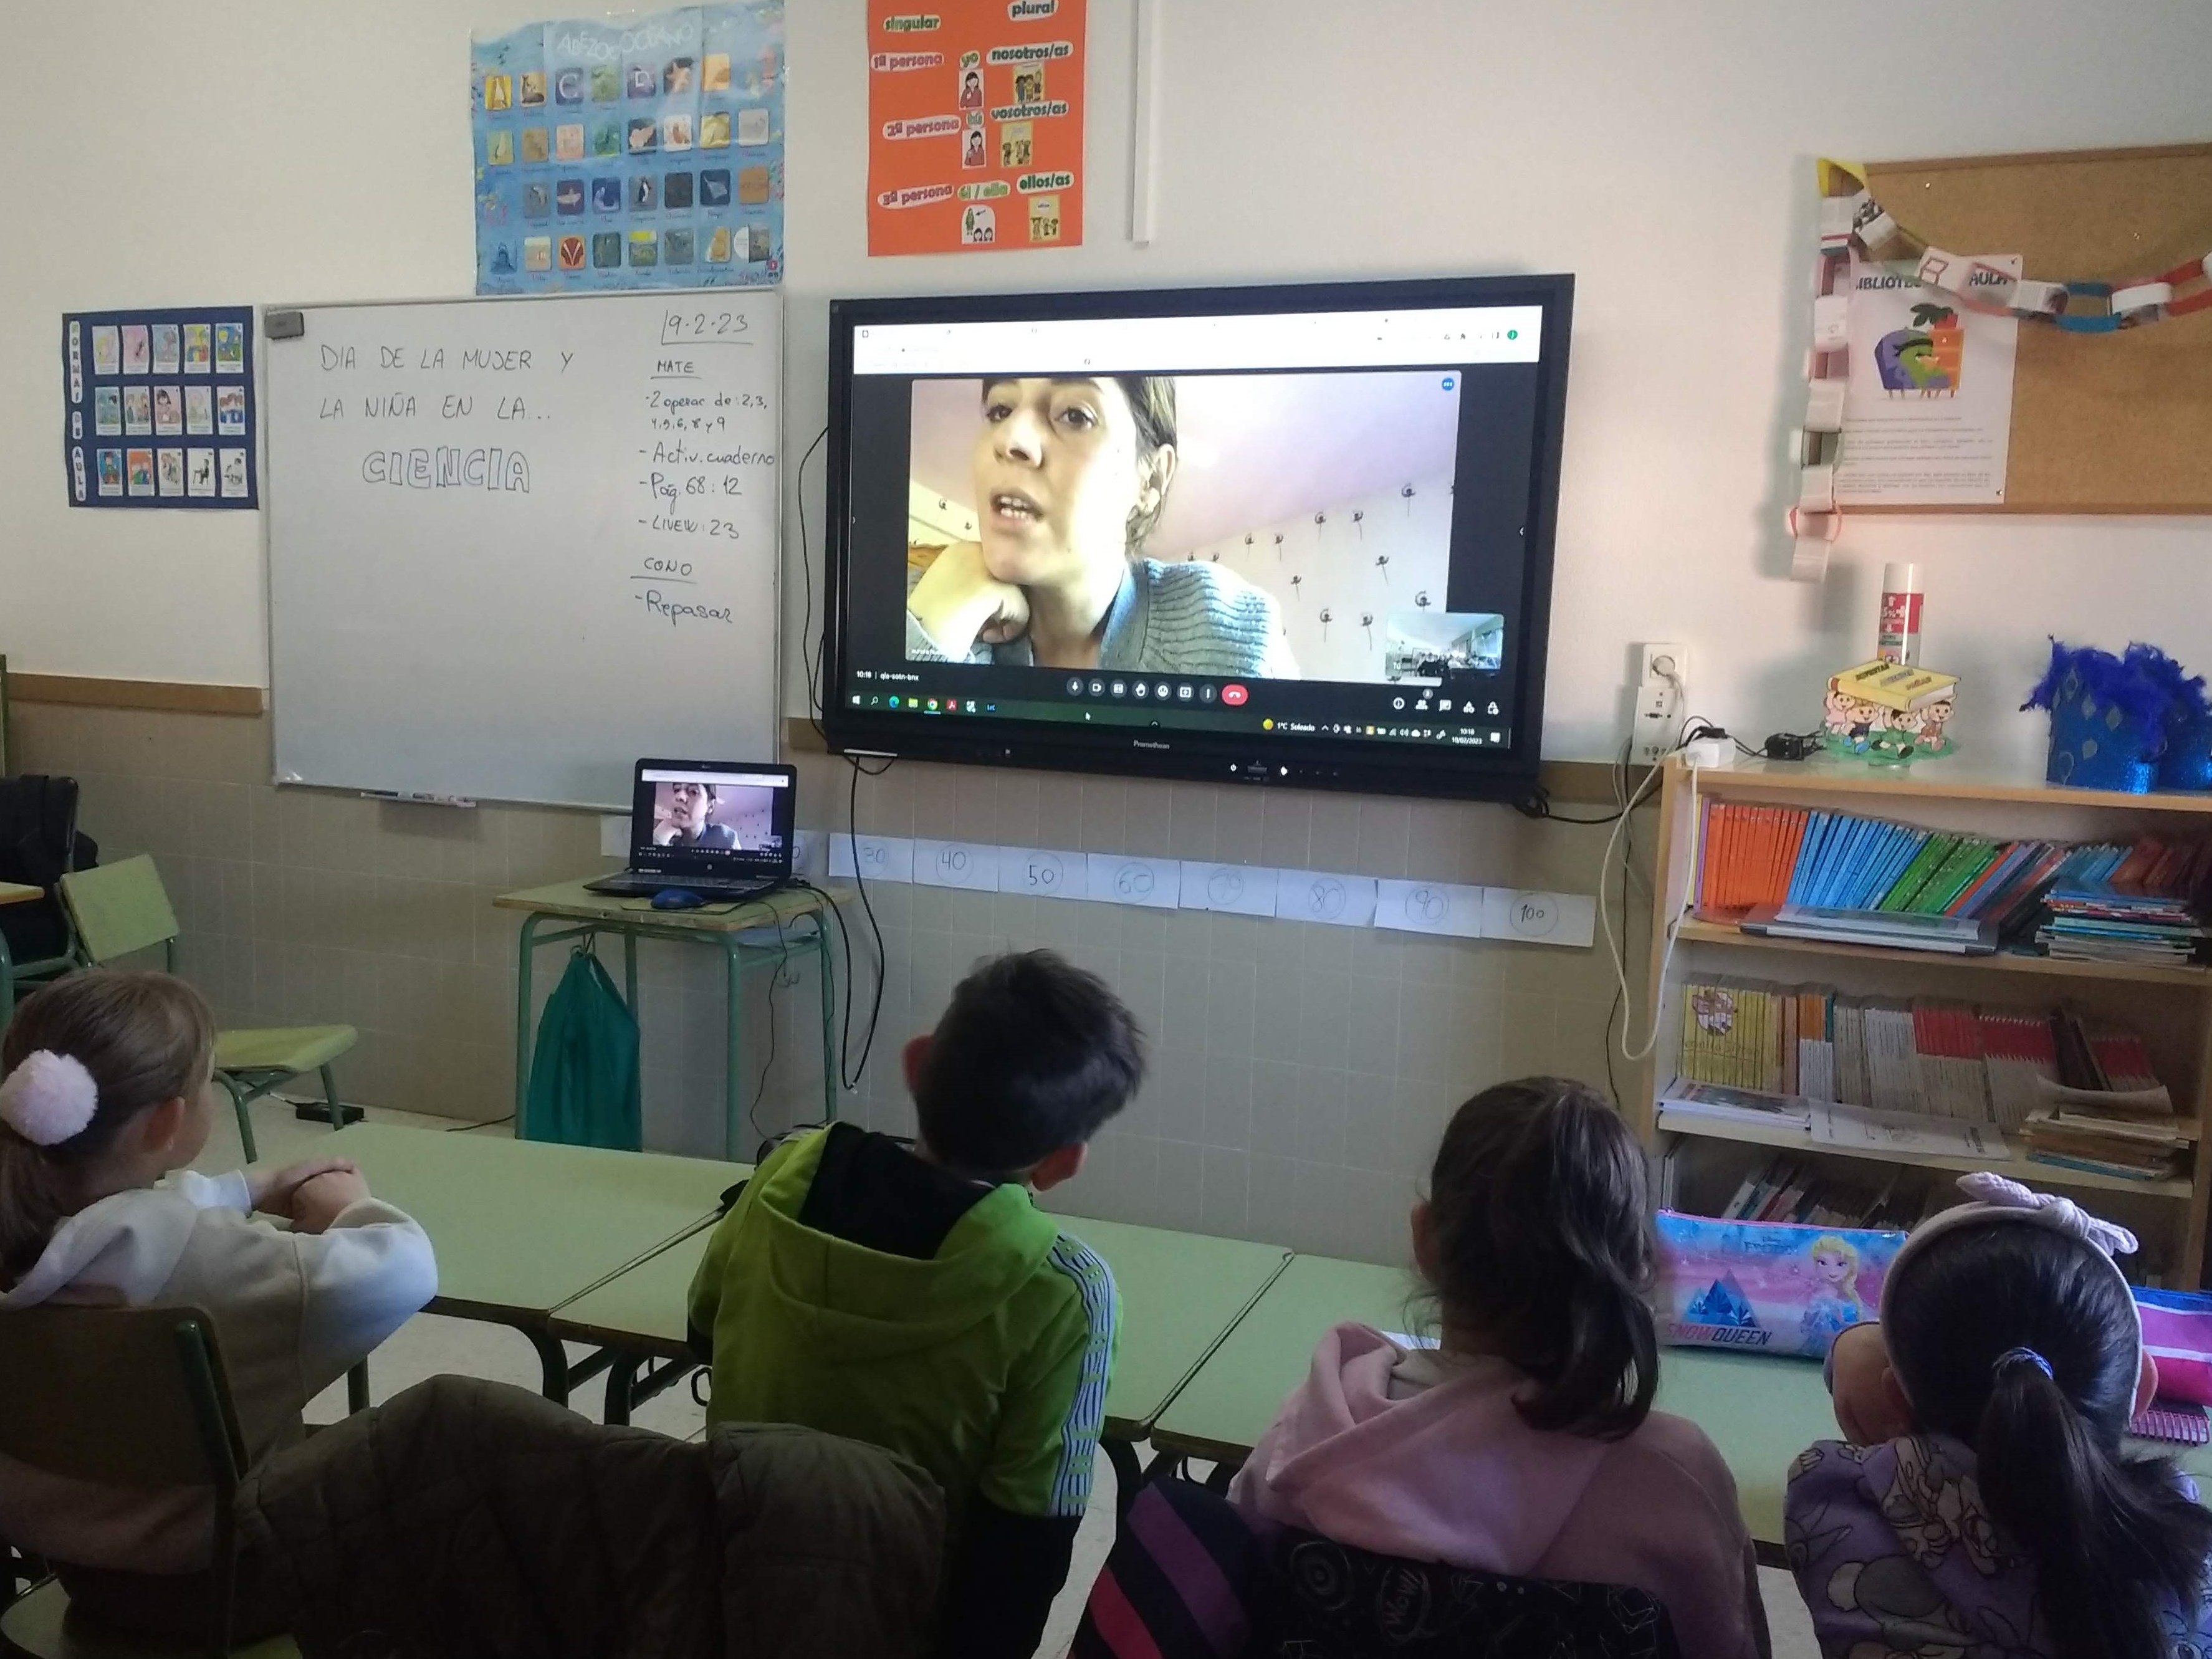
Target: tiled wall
x,y
1301,1074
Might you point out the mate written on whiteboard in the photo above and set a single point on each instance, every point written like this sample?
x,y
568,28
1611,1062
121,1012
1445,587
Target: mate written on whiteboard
x,y
515,544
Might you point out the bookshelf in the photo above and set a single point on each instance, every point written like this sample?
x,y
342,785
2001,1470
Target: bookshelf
x,y
1714,933
2170,1007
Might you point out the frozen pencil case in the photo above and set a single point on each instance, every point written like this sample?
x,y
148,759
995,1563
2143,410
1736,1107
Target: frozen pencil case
x,y
1766,1287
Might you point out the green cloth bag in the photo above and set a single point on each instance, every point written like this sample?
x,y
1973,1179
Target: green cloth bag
x,y
583,1078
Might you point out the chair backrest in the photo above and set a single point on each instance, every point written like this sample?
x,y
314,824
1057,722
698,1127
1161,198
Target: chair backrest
x,y
120,1396
38,828
1191,1577
38,841
119,908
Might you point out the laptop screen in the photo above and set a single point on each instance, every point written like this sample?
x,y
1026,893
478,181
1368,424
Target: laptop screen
x,y
711,819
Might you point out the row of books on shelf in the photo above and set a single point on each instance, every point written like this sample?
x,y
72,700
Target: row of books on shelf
x,y
2121,902
1792,1189
1807,1192
2077,1095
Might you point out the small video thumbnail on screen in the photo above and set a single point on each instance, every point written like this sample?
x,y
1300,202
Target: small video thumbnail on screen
x,y
1280,526
697,811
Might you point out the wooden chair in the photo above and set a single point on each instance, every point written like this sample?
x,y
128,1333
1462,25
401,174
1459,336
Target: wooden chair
x,y
122,909
125,1397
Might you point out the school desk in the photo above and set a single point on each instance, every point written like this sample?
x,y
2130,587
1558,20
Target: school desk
x,y
1220,1412
1759,1413
739,932
521,1227
1180,1292
13,892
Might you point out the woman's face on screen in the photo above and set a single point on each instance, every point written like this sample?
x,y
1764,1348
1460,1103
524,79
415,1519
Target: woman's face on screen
x,y
1056,477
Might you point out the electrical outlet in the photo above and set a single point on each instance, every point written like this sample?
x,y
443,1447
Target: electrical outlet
x,y
1658,717
1663,661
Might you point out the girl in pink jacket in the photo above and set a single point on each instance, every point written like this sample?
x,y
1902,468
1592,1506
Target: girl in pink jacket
x,y
1524,1444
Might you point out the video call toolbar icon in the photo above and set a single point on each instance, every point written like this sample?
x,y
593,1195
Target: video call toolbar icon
x,y
1157,690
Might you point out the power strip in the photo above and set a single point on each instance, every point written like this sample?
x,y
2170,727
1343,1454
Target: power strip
x,y
1658,716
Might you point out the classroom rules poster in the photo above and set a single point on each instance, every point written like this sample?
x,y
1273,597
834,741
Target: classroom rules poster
x,y
975,124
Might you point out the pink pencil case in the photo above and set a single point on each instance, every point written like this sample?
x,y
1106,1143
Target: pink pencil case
x,y
2177,1331
1767,1286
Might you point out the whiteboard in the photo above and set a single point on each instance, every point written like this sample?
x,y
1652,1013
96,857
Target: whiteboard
x,y
514,544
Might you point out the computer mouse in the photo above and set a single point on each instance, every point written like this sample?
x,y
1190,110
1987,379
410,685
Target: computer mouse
x,y
677,898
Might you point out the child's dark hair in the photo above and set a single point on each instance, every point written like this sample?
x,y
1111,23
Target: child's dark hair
x,y
2112,1538
1033,1055
144,1037
1540,1241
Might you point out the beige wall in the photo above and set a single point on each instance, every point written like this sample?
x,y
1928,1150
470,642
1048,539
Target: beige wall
x,y
1441,136
1301,1074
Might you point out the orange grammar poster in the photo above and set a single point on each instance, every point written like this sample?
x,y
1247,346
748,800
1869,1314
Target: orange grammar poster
x,y
975,124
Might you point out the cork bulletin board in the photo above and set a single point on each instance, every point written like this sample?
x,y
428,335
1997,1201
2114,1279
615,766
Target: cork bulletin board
x,y
2101,423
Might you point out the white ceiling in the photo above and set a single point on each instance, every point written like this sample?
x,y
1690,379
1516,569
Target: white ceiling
x,y
1256,448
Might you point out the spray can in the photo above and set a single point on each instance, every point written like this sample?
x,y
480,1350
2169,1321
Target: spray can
x,y
1897,639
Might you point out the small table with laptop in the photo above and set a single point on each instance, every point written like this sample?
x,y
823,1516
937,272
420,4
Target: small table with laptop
x,y
710,864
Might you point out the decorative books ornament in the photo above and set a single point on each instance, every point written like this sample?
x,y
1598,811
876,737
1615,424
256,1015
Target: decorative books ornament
x,y
1888,714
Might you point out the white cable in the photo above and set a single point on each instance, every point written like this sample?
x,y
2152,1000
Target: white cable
x,y
1614,945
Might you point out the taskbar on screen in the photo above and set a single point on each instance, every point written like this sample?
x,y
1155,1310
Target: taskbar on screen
x,y
1423,725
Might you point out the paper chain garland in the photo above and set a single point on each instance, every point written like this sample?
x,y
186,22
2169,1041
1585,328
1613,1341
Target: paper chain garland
x,y
1852,222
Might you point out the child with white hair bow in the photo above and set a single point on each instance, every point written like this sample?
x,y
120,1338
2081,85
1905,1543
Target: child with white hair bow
x,y
106,1094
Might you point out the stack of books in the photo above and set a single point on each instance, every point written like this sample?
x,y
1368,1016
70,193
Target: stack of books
x,y
2101,924
1753,858
2105,1109
2108,1143
1810,1193
1765,1053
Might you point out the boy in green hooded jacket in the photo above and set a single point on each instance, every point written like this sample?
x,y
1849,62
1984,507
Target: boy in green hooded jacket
x,y
919,1299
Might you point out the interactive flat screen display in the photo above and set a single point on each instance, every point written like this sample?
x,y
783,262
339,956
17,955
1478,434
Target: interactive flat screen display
x,y
1301,535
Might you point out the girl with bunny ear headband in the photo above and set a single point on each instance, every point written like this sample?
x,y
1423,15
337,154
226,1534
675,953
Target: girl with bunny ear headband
x,y
1985,1491
106,1094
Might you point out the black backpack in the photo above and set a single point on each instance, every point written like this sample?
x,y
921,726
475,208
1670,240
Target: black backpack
x,y
39,842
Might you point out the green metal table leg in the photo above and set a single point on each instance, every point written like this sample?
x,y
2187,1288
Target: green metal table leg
x,y
528,951
734,1080
825,959
629,969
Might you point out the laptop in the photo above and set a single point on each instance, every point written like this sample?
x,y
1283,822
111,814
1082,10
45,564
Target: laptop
x,y
721,828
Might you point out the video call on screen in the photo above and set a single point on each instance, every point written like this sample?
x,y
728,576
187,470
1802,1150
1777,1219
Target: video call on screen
x,y
700,812
1355,535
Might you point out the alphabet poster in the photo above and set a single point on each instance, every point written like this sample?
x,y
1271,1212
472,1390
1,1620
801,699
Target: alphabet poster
x,y
158,408
974,124
645,152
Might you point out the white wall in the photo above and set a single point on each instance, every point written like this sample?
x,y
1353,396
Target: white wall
x,y
1329,570
177,152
